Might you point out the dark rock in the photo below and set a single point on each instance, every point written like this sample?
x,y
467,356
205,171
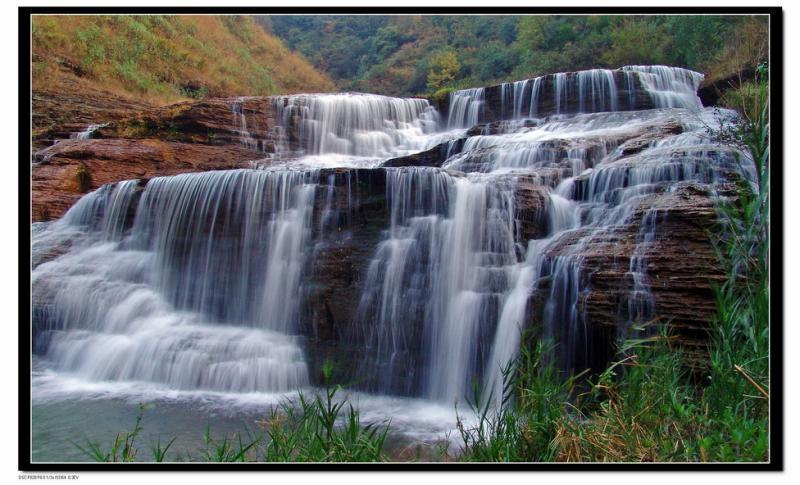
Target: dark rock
x,y
434,157
629,98
711,90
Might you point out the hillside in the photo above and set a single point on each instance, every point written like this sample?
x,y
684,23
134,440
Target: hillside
x,y
92,69
419,55
169,58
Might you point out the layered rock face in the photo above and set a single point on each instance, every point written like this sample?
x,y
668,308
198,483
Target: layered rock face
x,y
215,134
70,107
410,246
66,171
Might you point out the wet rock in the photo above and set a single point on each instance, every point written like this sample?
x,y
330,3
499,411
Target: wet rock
x,y
55,175
681,267
433,157
629,98
58,114
248,121
530,202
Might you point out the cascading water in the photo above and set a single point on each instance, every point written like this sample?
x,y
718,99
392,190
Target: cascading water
x,y
670,87
88,132
162,304
597,91
591,91
202,281
442,270
359,124
240,126
465,107
640,302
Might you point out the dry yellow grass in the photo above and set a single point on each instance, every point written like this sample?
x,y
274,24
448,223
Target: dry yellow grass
x,y
746,48
162,59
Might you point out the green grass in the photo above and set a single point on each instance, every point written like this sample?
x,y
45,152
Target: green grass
x,y
310,433
122,449
524,426
738,386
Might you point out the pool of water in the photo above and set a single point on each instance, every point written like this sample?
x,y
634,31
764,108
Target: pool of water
x,y
68,413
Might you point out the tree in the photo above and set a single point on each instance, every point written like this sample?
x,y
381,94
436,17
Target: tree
x,y
442,69
636,41
530,32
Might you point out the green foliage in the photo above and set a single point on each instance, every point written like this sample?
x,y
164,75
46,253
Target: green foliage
x,y
524,425
89,43
122,449
641,408
319,429
228,449
160,453
442,69
750,99
310,433
394,55
530,32
635,41
696,38
739,374
239,27
441,94
157,56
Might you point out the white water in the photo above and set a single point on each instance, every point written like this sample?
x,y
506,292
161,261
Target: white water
x,y
162,304
88,132
198,290
670,87
596,91
465,108
359,124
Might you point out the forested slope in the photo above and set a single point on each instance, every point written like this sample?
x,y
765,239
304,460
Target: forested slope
x,y
414,55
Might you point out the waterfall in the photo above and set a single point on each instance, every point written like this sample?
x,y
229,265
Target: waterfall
x,y
216,281
358,124
589,91
201,225
670,87
560,88
520,91
597,91
240,126
465,107
442,268
511,322
476,244
641,304
88,132
162,304
398,279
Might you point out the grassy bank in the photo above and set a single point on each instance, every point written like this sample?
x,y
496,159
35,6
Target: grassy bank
x,y
164,59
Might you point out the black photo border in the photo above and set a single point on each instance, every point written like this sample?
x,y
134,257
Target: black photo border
x,y
776,438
